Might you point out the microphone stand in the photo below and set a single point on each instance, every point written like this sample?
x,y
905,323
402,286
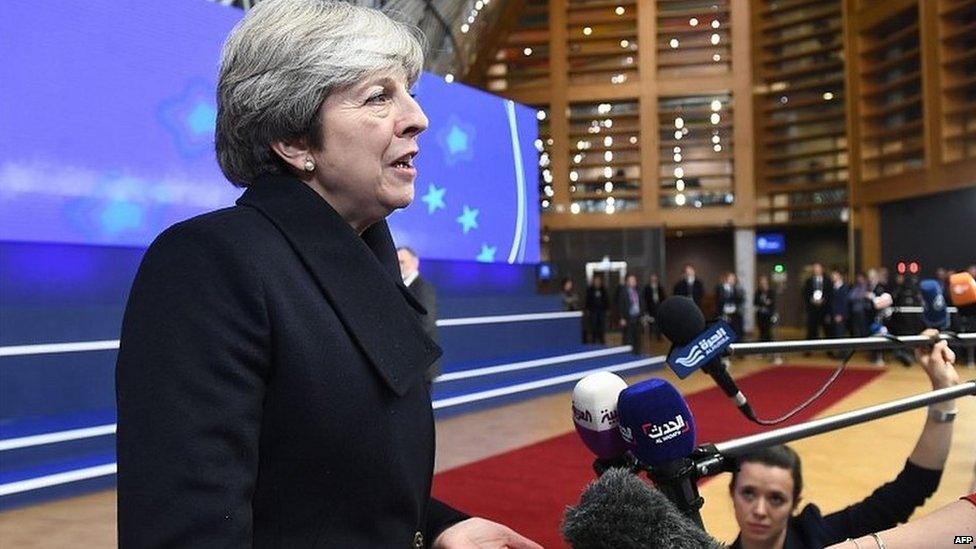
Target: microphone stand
x,y
711,459
848,344
678,481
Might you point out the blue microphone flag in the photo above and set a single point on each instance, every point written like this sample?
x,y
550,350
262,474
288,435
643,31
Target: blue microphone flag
x,y
706,347
655,422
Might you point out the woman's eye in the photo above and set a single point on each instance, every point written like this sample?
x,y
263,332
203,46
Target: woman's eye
x,y
777,501
379,98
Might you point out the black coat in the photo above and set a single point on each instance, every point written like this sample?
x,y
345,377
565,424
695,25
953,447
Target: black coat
x,y
808,290
649,303
696,291
270,385
427,296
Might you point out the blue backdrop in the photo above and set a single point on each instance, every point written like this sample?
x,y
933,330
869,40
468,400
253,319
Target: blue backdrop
x,y
106,136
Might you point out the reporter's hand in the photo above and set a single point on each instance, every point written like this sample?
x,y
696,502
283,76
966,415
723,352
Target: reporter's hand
x,y
478,533
937,361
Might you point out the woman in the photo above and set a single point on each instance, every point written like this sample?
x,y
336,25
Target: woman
x,y
766,489
271,371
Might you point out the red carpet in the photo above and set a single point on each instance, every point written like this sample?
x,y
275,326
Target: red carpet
x,y
529,488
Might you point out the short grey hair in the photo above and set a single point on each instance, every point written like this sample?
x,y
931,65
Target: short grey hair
x,y
280,63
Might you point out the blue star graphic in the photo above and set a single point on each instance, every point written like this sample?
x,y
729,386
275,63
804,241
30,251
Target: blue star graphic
x,y
434,198
457,140
487,254
468,219
202,119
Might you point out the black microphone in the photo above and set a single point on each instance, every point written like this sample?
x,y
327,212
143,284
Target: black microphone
x,y
620,511
683,323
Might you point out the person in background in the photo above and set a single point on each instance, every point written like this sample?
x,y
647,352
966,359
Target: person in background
x,y
426,294
689,285
596,305
859,306
767,488
631,312
878,283
837,307
729,299
653,296
571,301
815,291
766,317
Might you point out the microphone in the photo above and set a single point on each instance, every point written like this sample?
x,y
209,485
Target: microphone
x,y
657,425
962,292
620,511
655,422
934,311
595,417
695,347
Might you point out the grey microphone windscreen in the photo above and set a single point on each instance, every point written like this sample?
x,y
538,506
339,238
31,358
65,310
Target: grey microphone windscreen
x,y
619,511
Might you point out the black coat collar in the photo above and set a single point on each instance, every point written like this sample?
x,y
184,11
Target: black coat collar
x,y
359,276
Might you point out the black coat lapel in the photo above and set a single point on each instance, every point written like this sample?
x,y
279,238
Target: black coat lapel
x,y
359,277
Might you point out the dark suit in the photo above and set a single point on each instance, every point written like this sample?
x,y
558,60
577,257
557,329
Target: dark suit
x,y
630,310
695,291
816,311
652,299
596,314
728,306
838,306
427,296
270,385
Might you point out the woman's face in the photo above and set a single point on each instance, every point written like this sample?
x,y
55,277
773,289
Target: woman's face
x,y
763,502
365,168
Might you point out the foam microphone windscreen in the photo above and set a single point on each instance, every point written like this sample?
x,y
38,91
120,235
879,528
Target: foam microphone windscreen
x,y
655,422
680,319
934,311
620,511
962,292
595,413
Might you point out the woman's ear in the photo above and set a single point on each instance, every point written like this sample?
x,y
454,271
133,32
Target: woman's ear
x,y
296,154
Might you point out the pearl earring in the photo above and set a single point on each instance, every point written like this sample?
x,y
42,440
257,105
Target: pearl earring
x,y
309,165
